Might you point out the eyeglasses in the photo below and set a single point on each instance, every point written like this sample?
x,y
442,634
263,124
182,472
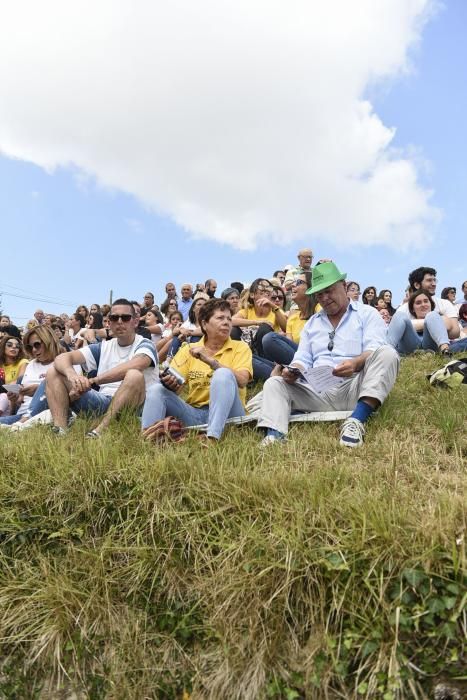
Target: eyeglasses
x,y
34,346
331,340
10,344
276,297
172,303
297,283
120,317
265,290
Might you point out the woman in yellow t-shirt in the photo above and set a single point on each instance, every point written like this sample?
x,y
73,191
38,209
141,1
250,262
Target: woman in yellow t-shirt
x,y
216,371
260,316
281,348
12,359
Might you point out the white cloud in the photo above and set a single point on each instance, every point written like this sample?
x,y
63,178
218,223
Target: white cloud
x,y
239,119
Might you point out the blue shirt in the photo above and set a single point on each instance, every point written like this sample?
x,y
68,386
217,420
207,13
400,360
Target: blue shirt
x,y
184,306
360,329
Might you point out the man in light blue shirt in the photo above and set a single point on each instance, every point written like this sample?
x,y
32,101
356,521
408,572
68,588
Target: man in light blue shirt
x,y
342,363
186,300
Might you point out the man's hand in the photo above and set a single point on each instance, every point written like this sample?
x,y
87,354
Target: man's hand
x,y
346,368
78,384
289,376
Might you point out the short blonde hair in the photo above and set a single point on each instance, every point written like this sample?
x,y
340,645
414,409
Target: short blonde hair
x,y
47,337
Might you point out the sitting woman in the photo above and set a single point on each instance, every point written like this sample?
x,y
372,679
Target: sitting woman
x,y
171,330
190,330
12,367
95,323
74,333
353,290
369,296
12,359
216,370
422,329
281,348
385,295
155,324
43,347
260,316
232,295
168,306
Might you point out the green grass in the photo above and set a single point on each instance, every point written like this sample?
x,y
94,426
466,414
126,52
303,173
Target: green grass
x,y
132,571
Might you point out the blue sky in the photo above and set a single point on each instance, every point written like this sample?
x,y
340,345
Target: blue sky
x,y
67,239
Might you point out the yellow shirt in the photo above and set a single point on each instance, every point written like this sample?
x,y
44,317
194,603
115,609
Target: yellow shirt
x,y
12,371
234,354
295,326
250,315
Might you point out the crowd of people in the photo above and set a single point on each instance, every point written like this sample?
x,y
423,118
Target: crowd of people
x,y
310,335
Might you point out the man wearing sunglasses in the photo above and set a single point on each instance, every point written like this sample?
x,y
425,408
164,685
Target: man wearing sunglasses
x,y
343,363
125,367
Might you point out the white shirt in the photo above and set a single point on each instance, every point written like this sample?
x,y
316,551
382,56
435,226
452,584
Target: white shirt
x,y
360,329
442,306
109,354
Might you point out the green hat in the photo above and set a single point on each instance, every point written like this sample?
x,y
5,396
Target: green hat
x,y
325,275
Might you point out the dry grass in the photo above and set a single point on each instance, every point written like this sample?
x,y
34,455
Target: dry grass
x,y
129,571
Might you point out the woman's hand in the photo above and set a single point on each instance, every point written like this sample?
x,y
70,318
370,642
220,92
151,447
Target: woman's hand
x,y
265,303
199,352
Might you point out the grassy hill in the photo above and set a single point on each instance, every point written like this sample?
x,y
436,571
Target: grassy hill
x,y
132,571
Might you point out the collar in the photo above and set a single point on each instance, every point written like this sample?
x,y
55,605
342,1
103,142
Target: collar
x,y
228,345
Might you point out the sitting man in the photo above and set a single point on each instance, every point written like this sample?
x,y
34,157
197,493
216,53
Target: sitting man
x,y
126,366
342,363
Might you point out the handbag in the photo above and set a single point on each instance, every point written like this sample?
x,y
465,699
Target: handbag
x,y
168,429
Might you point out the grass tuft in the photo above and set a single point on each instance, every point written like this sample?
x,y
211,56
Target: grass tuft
x,y
134,571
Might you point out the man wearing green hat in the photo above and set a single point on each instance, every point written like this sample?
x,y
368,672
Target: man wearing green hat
x,y
343,362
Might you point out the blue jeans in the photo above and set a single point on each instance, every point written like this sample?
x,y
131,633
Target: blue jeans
x,y
403,337
224,402
458,345
37,405
279,348
262,368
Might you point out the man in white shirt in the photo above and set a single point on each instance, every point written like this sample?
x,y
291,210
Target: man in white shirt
x,y
342,363
126,366
425,278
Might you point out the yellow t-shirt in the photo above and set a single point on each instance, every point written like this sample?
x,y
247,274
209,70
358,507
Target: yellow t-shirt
x,y
295,326
12,371
234,354
250,315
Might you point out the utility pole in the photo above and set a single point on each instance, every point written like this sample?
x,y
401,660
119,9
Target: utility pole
x,y
110,297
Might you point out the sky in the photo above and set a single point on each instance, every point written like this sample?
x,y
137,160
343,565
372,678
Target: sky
x,y
153,142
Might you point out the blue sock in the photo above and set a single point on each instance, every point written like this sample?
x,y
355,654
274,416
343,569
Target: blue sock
x,y
362,411
275,433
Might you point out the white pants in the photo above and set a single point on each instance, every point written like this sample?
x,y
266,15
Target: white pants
x,y
375,380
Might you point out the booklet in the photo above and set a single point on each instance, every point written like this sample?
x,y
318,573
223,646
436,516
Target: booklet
x,y
13,388
319,378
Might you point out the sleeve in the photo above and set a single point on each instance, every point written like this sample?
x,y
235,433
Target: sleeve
x,y
243,358
146,347
374,331
181,361
91,357
304,354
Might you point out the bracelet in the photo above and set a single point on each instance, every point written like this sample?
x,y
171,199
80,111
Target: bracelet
x,y
275,309
216,365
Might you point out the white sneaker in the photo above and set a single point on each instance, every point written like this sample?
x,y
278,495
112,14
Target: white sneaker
x,y
352,433
270,440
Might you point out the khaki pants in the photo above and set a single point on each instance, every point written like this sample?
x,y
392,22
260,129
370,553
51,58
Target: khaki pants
x,y
375,380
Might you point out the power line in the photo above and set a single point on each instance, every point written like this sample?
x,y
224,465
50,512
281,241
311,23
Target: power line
x,y
38,294
42,300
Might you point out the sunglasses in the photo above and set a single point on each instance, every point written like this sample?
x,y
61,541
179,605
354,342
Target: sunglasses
x,y
9,344
331,340
34,346
297,283
265,290
120,317
276,297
